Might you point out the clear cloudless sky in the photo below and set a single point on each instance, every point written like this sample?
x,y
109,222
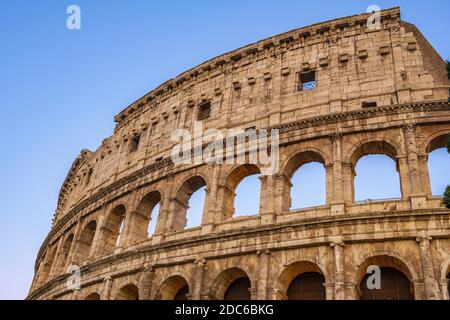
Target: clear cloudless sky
x,y
59,89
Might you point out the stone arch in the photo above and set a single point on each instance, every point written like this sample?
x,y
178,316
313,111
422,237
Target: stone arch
x,y
374,147
385,261
180,203
48,263
67,245
175,287
293,164
445,268
227,278
128,292
111,230
232,181
292,271
84,244
435,141
92,296
141,217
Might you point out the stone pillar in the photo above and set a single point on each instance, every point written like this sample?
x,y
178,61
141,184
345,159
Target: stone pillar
x,y
200,266
429,280
329,291
266,210
97,241
339,278
73,248
107,286
281,193
125,233
338,185
403,170
164,219
348,177
329,184
263,280
210,212
424,174
57,259
225,202
146,283
418,200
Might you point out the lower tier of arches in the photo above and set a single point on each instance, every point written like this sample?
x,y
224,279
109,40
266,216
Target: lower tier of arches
x,y
403,256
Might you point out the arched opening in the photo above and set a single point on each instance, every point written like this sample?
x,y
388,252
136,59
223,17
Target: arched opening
x,y
307,175
143,219
84,244
128,292
394,279
307,286
174,288
375,172
243,191
61,264
111,231
182,294
231,284
49,261
189,204
302,280
438,164
394,286
194,213
239,289
93,296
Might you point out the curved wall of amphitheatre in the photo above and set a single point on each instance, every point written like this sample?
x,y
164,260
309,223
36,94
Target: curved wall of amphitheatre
x,y
376,92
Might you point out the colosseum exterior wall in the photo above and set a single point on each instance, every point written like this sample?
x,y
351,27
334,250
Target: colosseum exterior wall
x,y
381,91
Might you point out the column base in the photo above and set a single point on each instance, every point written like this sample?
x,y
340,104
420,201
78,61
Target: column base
x,y
268,219
337,208
157,238
207,228
418,202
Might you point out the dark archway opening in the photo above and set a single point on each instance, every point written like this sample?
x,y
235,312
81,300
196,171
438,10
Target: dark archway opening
x,y
307,286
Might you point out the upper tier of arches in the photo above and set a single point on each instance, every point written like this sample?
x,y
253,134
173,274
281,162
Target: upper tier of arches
x,y
123,223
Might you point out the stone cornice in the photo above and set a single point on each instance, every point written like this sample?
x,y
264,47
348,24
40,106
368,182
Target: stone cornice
x,y
292,126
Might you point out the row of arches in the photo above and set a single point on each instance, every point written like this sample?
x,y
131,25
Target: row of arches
x,y
302,280
122,226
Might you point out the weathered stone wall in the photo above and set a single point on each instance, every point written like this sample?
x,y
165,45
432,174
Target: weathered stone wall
x,y
257,86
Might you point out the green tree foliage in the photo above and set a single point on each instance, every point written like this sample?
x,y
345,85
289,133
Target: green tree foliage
x,y
447,197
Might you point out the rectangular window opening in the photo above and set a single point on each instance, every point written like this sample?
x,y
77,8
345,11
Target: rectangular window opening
x,y
204,111
134,144
367,104
307,81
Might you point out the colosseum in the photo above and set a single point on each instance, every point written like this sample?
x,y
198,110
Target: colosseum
x,y
336,91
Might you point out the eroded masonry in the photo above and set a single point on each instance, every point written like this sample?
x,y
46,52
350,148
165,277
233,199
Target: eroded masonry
x,y
336,91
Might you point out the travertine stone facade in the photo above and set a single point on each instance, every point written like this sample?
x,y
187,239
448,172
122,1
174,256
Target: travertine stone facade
x,y
258,86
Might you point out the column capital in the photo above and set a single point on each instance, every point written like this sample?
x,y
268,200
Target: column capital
x,y
263,251
424,239
149,269
200,262
409,128
338,243
336,136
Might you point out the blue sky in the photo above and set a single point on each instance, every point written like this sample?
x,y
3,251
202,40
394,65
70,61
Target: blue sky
x,y
60,89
